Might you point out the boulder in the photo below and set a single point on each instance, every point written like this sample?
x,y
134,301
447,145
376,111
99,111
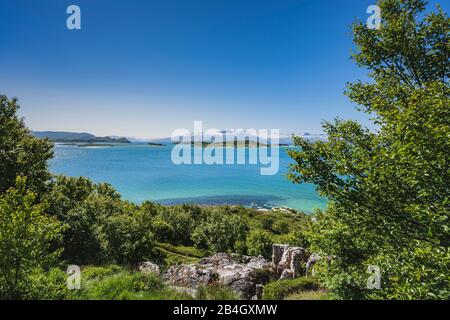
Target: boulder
x,y
245,274
258,263
288,258
277,253
149,267
222,269
190,275
287,274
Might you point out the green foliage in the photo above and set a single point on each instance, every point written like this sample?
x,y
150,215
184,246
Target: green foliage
x,y
281,227
104,229
182,222
267,223
310,295
92,226
220,231
428,273
259,242
101,227
277,290
26,233
98,273
127,237
127,286
71,201
293,238
162,230
169,258
49,285
276,222
183,250
389,189
21,154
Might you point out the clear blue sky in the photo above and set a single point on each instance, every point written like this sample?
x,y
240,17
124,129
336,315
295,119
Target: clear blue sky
x,y
145,68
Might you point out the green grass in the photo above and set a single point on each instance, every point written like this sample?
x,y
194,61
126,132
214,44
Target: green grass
x,y
183,250
172,258
309,295
280,289
95,272
296,221
127,286
116,283
174,255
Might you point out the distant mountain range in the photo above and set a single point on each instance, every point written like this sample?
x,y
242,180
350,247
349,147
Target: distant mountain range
x,y
75,137
283,139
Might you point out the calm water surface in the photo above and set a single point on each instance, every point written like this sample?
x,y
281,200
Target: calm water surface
x,y
140,172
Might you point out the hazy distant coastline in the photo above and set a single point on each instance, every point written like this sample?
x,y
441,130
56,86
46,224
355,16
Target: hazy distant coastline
x,y
75,137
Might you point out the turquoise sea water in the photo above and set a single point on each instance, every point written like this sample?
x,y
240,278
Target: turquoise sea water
x,y
140,172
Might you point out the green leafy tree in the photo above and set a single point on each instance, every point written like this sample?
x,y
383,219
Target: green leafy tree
x,y
280,227
26,233
127,236
267,223
21,154
220,231
84,207
259,242
388,189
180,221
163,231
76,203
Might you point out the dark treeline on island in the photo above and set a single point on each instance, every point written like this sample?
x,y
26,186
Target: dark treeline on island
x,y
74,137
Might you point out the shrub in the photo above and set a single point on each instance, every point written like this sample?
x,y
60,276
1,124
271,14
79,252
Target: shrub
x,y
279,289
162,230
259,242
180,221
281,227
126,237
26,235
49,285
220,231
267,223
76,203
293,238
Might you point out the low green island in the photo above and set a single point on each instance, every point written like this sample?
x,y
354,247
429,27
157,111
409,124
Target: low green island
x,y
80,139
235,144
